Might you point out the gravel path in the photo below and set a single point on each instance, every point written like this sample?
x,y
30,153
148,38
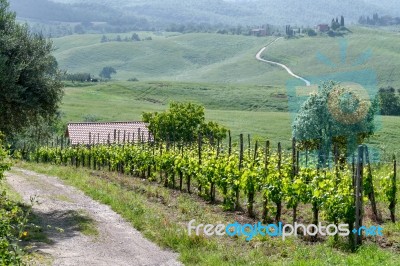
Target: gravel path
x,y
118,243
288,70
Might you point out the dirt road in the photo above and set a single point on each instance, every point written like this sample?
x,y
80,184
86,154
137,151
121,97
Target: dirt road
x,y
259,58
117,242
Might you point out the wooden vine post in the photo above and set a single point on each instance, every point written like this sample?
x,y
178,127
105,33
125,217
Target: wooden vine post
x,y
265,196
250,205
370,190
230,144
180,171
237,192
279,203
359,196
294,173
392,204
199,153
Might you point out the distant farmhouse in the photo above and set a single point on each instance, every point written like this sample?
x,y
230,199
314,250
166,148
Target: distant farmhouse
x,y
323,28
261,31
108,133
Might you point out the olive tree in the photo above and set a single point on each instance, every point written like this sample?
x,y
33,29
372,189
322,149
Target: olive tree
x,y
30,83
337,114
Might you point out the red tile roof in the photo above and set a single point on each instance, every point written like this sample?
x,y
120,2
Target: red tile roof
x,y
102,133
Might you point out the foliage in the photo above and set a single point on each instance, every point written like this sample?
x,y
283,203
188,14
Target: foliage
x,y
389,101
220,170
379,21
334,116
81,77
311,32
12,222
107,71
30,85
135,37
182,122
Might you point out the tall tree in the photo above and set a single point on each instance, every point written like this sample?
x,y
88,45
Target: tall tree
x,y
335,115
30,83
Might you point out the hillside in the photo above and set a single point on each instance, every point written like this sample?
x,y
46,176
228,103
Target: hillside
x,y
189,57
230,59
257,110
248,12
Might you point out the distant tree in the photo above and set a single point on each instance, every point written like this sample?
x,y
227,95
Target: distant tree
x,y
182,122
375,17
79,77
104,39
107,71
135,37
118,39
289,31
389,102
335,24
342,21
311,32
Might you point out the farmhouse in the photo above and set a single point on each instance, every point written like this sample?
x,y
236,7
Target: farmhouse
x,y
260,32
108,133
323,28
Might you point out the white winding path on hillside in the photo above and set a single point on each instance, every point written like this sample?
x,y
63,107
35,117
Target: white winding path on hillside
x,y
258,57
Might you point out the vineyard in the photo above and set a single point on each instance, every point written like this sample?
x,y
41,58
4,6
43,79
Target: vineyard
x,y
236,176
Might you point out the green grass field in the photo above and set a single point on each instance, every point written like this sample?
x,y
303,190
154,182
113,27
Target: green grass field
x,y
345,54
257,110
216,58
196,57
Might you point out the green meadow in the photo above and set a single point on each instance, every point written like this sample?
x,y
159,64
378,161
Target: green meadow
x,y
230,59
257,110
221,72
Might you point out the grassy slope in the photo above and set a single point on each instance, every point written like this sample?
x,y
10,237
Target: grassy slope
x,y
301,54
190,57
229,59
256,110
243,109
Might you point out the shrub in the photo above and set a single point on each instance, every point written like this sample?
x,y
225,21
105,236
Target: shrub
x,y
12,222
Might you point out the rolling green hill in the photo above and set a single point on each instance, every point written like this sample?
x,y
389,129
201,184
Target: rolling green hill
x,y
189,57
216,58
370,49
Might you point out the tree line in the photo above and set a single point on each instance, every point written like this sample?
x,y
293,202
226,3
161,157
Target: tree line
x,y
377,20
